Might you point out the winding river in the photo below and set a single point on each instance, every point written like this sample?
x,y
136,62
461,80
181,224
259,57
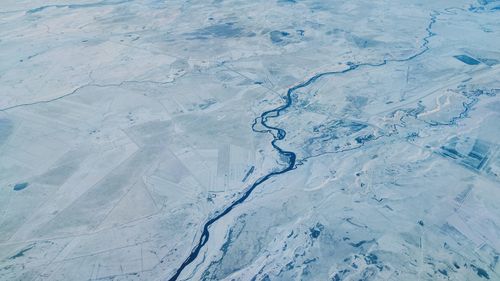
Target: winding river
x,y
279,134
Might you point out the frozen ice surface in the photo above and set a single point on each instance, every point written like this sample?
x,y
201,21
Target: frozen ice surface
x,y
249,140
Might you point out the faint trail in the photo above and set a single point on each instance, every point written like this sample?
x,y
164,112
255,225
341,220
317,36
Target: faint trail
x,y
75,91
78,6
44,101
279,134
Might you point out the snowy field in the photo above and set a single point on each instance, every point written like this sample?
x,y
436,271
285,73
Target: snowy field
x,y
249,140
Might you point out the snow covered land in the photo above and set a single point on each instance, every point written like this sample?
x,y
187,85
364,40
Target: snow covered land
x,y
249,140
